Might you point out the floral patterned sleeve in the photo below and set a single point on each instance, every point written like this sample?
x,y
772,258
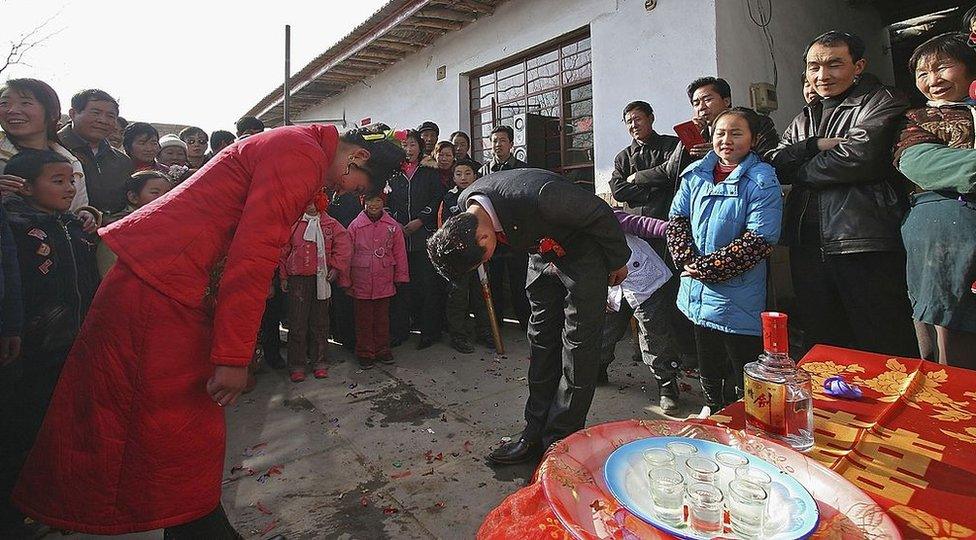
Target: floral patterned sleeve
x,y
679,240
734,259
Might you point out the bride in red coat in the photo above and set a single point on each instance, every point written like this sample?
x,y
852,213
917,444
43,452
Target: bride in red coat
x,y
134,437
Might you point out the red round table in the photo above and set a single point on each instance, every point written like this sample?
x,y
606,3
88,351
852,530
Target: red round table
x,y
908,444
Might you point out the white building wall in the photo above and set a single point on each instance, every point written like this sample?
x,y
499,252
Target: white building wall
x,y
651,56
743,56
636,54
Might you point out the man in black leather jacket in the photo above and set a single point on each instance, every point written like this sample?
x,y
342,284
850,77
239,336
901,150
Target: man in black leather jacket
x,y
841,219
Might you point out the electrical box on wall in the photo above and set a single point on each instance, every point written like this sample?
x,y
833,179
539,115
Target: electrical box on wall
x,y
441,73
763,97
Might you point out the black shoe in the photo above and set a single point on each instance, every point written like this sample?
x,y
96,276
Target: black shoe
x,y
490,342
424,343
462,345
517,451
396,342
603,377
388,360
365,363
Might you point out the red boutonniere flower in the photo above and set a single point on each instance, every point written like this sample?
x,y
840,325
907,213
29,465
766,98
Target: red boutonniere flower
x,y
549,246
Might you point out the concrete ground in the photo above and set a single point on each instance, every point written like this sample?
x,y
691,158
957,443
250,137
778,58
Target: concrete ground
x,y
396,451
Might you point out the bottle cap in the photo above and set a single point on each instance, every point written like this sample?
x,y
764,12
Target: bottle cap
x,y
775,335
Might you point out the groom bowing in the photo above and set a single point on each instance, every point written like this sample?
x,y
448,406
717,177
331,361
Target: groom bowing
x,y
577,249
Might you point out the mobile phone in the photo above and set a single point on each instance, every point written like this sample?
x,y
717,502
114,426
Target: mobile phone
x,y
689,134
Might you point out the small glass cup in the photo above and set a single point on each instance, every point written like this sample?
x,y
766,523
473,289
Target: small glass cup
x,y
747,504
681,451
748,473
728,462
701,469
705,508
667,492
657,458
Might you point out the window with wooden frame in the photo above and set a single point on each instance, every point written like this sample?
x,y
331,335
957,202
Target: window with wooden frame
x,y
552,81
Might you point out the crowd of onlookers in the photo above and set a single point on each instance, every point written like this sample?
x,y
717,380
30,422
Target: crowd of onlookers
x,y
879,218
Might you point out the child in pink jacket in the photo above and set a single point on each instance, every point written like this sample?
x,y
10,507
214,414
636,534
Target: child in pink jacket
x,y
379,263
317,254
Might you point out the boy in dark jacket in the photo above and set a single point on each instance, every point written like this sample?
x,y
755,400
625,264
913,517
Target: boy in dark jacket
x,y
59,278
464,295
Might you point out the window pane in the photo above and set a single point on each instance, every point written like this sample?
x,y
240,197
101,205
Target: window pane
x,y
511,70
484,80
577,67
483,103
544,58
580,92
573,48
580,108
512,87
542,77
546,104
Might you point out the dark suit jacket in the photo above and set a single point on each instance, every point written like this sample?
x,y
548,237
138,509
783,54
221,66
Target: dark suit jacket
x,y
532,204
644,199
511,163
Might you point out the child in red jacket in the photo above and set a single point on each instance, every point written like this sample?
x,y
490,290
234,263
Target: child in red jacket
x,y
379,263
317,254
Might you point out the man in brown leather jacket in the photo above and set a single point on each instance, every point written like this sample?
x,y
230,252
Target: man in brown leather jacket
x,y
841,219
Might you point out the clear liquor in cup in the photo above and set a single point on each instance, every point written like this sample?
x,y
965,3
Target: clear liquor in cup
x,y
681,451
701,469
757,476
656,458
705,508
747,504
728,462
667,492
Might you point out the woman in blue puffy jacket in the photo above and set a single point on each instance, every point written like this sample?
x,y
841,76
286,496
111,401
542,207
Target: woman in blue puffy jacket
x,y
725,220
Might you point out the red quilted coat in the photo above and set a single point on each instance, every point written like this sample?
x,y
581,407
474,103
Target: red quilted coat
x,y
132,441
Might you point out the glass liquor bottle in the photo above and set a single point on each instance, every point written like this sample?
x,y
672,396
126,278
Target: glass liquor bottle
x,y
778,394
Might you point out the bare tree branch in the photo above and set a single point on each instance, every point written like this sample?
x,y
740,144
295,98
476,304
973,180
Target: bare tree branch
x,y
25,42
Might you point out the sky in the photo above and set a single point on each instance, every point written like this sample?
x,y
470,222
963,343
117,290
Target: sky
x,y
202,62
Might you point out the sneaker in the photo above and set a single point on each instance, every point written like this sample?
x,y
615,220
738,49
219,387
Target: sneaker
x,y
462,345
668,404
297,376
365,363
320,372
388,360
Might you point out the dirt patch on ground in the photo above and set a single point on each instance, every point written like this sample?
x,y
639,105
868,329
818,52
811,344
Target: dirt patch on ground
x,y
401,403
299,404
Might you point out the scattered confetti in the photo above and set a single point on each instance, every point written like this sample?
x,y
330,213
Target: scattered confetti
x,y
263,509
468,446
253,450
398,464
400,475
271,525
389,510
364,501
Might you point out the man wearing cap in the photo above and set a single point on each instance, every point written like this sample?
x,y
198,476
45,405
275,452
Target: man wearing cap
x,y
134,437
429,132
